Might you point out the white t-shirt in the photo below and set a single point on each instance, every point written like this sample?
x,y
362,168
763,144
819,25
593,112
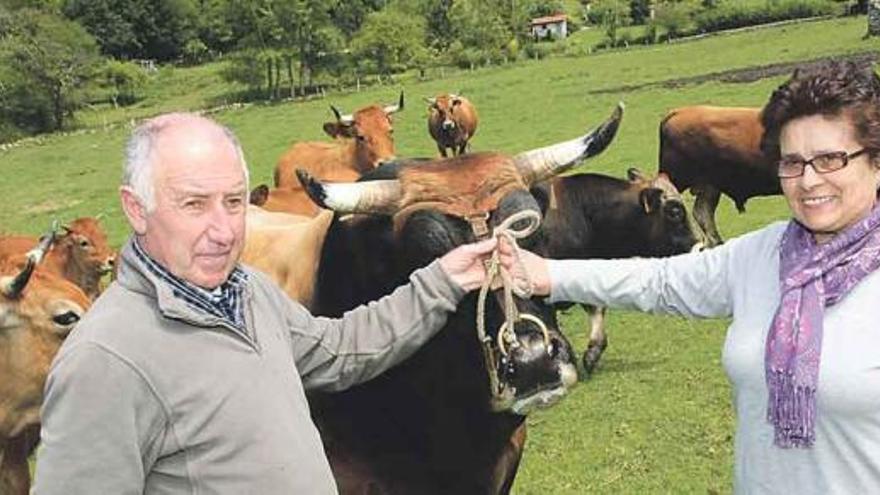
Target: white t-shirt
x,y
741,279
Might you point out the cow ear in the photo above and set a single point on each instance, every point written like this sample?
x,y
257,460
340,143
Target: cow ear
x,y
337,129
259,195
650,199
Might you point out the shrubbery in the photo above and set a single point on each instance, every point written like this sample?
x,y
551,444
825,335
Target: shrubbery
x,y
734,15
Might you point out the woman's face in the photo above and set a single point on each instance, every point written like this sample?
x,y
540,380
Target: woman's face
x,y
827,203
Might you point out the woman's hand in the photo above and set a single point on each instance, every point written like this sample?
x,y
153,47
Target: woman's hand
x,y
515,260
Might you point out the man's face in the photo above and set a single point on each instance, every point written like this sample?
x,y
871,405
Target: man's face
x,y
196,230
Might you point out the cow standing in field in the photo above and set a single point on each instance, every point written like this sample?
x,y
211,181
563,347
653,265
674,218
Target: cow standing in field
x,y
37,311
597,216
452,122
451,419
365,140
714,150
80,253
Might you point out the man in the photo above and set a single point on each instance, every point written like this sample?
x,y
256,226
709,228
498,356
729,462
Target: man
x,y
189,373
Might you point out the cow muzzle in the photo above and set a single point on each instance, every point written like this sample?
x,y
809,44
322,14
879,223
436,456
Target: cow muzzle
x,y
529,365
535,373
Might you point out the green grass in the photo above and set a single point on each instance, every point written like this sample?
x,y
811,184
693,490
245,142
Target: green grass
x,y
656,417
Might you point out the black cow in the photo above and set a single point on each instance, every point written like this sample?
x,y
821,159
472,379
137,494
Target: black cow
x,y
597,216
431,425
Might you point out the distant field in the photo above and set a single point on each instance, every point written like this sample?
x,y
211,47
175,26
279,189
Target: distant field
x,y
656,418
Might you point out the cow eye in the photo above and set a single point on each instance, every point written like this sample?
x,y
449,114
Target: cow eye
x,y
361,137
66,319
84,243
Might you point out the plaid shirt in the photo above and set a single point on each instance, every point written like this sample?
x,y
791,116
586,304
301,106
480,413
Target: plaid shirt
x,y
225,302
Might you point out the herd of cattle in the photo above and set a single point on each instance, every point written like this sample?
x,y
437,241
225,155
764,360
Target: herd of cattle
x,y
346,221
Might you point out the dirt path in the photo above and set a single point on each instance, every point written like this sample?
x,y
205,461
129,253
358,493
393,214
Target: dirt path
x,y
743,75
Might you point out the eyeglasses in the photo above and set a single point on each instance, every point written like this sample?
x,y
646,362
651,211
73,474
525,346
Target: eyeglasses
x,y
825,163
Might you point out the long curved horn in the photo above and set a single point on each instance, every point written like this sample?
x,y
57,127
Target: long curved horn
x,y
376,197
543,163
13,288
346,119
389,109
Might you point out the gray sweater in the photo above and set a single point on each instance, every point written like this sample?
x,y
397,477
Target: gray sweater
x,y
149,396
741,279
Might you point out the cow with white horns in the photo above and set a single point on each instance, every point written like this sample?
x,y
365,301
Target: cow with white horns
x,y
451,419
452,122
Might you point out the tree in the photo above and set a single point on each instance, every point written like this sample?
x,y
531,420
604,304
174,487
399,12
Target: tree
x,y
610,14
50,62
127,29
393,40
349,16
439,33
640,11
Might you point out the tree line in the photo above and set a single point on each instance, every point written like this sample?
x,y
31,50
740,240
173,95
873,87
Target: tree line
x,y
53,52
55,55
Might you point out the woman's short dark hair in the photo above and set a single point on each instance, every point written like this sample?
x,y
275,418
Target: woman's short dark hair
x,y
832,89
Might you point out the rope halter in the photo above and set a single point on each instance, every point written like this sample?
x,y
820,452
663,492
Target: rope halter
x,y
519,285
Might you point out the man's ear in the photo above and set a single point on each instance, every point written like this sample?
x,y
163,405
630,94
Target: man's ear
x,y
134,210
650,198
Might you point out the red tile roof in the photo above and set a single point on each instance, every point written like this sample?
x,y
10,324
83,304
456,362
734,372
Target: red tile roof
x,y
550,19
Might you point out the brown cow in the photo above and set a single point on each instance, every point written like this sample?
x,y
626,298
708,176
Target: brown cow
x,y
714,150
452,122
37,310
365,139
287,248
80,253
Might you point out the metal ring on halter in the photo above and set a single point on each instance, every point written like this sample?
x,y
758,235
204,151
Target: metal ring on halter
x,y
523,316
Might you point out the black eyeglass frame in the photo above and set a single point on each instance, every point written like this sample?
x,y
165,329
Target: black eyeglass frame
x,y
831,157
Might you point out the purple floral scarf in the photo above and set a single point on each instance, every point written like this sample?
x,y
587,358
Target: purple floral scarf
x,y
812,276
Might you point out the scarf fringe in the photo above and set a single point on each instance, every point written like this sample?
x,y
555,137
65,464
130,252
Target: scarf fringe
x,y
791,410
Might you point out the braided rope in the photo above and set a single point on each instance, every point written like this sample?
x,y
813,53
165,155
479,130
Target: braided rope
x,y
520,286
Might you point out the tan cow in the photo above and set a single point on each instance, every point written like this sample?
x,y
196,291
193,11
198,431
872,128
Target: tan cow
x,y
364,139
37,311
80,253
287,248
452,122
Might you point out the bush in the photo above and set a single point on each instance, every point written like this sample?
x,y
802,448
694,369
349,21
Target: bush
x,y
674,18
537,51
734,15
124,80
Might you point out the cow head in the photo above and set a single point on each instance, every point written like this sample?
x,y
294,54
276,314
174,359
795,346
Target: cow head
x,y
669,231
443,107
37,311
434,206
372,130
84,244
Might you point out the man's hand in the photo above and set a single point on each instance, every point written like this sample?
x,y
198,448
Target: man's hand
x,y
464,264
534,265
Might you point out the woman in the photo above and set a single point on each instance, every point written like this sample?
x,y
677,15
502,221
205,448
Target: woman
x,y
803,350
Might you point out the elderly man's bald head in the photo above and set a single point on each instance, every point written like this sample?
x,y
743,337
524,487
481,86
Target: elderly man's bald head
x,y
140,151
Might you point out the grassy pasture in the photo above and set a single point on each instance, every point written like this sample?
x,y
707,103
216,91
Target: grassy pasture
x,y
656,417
